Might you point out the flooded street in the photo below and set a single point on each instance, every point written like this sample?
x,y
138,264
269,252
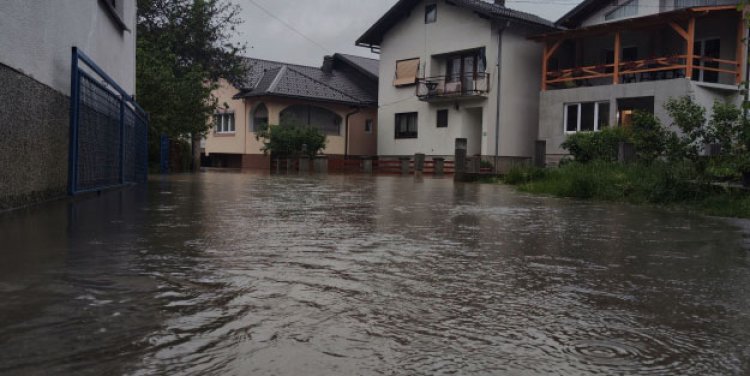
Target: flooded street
x,y
242,274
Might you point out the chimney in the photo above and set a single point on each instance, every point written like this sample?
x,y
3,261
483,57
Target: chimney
x,y
500,3
327,64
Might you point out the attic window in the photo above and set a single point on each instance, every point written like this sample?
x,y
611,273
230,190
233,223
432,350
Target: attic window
x,y
406,72
430,14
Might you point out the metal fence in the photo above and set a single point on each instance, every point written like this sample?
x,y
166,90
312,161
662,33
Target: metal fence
x,y
108,131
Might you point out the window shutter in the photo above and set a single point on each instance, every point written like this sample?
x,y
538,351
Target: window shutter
x,y
406,72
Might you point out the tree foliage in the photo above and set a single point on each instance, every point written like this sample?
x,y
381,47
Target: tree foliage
x,y
183,47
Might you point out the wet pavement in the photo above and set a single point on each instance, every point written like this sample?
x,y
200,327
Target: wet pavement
x,y
243,274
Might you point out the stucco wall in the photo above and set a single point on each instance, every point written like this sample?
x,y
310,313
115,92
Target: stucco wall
x,y
552,102
458,29
243,141
37,38
33,143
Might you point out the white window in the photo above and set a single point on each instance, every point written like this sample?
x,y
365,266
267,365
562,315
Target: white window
x,y
626,9
586,117
224,123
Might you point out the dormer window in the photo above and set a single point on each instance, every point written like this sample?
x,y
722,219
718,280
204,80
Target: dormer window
x,y
430,14
625,9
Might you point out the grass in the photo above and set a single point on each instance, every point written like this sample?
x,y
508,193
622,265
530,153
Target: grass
x,y
655,184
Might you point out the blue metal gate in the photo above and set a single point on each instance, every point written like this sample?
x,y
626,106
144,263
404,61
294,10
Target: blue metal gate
x,y
108,131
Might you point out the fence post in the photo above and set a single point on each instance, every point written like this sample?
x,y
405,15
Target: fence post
x,y
164,154
321,164
75,95
540,153
419,162
122,140
405,165
460,159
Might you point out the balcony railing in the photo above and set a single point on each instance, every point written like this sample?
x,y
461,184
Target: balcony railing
x,y
654,69
470,85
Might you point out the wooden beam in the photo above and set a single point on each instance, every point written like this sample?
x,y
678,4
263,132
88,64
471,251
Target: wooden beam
x,y
683,33
690,48
618,48
741,52
554,48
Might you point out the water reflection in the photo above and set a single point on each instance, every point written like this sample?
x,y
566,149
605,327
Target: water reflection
x,y
321,275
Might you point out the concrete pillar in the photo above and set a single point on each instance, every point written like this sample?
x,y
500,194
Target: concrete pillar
x,y
419,162
304,165
367,165
626,152
460,161
439,166
405,165
540,153
321,165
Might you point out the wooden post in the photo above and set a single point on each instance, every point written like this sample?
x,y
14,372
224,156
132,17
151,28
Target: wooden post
x,y
741,54
690,49
618,49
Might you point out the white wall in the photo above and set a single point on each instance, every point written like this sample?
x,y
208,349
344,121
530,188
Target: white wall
x,y
36,38
458,29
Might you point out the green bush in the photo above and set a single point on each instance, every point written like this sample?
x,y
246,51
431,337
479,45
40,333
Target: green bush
x,y
523,174
292,140
591,146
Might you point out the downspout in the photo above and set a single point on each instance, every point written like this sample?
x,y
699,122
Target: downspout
x,y
500,31
346,139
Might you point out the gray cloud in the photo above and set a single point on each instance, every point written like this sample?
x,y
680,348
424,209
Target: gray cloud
x,y
335,24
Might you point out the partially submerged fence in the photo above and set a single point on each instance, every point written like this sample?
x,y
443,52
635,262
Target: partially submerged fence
x,y
108,131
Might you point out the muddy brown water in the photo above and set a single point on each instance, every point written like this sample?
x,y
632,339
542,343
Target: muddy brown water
x,y
243,274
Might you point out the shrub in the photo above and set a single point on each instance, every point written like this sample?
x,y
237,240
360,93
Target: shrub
x,y
690,118
523,174
292,140
591,146
649,137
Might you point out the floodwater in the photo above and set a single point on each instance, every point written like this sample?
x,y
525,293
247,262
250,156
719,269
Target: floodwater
x,y
242,274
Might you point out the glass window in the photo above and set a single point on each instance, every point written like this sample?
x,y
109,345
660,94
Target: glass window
x,y
323,119
442,119
368,126
224,123
586,117
260,118
430,14
406,125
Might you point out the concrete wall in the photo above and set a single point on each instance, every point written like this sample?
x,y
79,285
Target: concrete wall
x,y
243,141
37,37
456,30
551,104
35,57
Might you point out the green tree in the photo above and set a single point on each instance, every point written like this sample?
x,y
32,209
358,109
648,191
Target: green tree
x,y
183,48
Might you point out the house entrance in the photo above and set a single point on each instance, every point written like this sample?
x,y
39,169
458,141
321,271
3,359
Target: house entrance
x,y
473,130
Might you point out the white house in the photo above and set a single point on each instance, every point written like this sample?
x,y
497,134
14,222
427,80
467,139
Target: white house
x,y
617,57
454,69
36,40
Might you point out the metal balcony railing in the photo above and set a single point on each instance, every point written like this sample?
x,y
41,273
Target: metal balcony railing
x,y
466,85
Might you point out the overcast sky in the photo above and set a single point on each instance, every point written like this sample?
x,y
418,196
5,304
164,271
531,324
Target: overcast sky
x,y
334,24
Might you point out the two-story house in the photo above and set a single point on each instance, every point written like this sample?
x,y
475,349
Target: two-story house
x,y
339,98
621,56
454,69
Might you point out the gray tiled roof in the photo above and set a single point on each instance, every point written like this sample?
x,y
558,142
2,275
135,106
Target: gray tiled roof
x,y
371,66
374,35
273,78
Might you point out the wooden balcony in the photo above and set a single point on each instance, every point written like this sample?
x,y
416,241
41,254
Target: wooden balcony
x,y
466,86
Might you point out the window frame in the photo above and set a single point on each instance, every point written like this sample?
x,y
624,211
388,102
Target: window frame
x,y
368,126
446,113
406,135
430,8
223,125
702,63
579,113
116,12
397,81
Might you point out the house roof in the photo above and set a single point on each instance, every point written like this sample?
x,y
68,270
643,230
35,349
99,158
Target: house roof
x,y
576,15
274,78
374,35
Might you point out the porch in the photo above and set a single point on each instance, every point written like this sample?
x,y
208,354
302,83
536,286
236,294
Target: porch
x,y
692,43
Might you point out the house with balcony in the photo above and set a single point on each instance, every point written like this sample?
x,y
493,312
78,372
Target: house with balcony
x,y
339,98
453,69
620,56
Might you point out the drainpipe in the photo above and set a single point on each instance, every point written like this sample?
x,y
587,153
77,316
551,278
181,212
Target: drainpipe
x,y
500,31
346,139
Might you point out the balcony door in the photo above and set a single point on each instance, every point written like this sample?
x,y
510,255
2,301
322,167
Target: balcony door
x,y
463,70
707,48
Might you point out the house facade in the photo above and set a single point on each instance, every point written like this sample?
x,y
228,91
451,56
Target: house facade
x,y
35,82
457,69
339,98
622,56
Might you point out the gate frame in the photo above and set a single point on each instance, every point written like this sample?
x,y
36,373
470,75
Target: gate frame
x,y
76,72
